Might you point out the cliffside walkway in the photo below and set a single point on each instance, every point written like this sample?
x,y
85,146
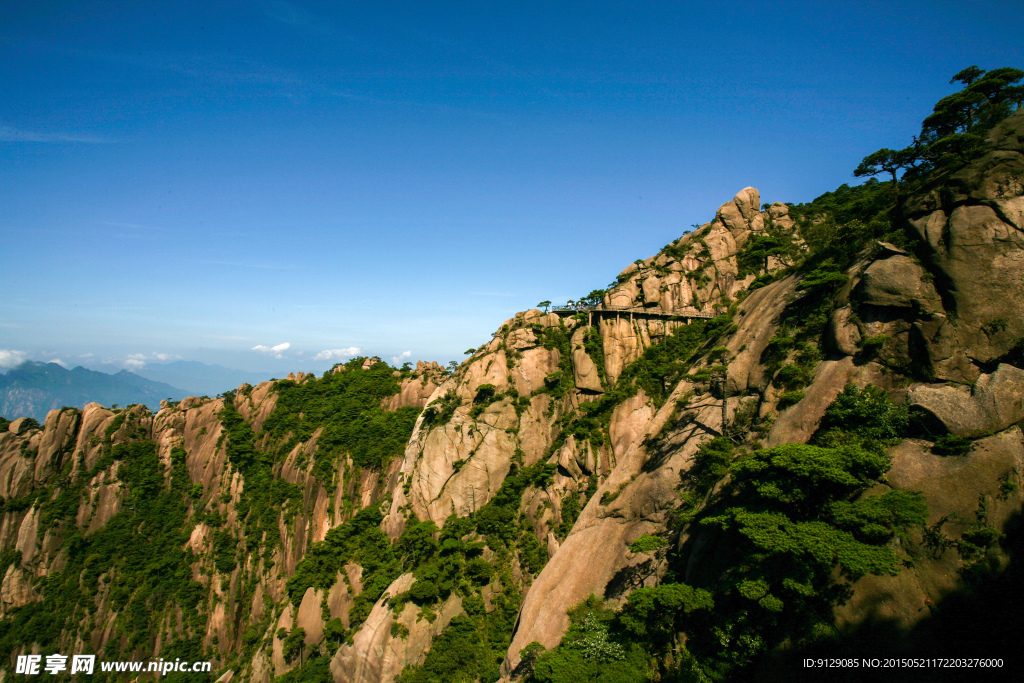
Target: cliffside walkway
x,y
686,313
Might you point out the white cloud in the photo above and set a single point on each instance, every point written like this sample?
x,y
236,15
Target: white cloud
x,y
9,358
137,361
61,363
337,354
275,351
401,357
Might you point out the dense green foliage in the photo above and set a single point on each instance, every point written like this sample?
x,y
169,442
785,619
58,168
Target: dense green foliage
x,y
472,647
140,579
440,410
755,254
661,366
347,406
590,652
863,416
264,496
359,540
782,538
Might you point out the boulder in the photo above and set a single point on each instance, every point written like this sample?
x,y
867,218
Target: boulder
x,y
20,426
897,282
842,334
995,402
585,372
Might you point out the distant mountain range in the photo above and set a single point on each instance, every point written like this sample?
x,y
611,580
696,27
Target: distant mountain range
x,y
33,389
200,379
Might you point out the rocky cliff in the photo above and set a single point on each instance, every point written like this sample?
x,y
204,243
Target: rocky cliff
x,y
373,524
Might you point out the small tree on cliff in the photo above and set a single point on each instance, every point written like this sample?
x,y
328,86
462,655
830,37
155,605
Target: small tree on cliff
x,y
953,133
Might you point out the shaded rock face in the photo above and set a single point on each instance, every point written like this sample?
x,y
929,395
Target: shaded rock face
x,y
972,226
896,281
994,403
953,488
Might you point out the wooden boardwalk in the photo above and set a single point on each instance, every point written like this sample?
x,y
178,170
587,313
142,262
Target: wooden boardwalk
x,y
687,312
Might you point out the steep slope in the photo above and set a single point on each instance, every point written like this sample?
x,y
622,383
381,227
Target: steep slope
x,y
226,515
948,312
713,462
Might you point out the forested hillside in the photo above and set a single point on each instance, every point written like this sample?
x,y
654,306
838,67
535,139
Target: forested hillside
x,y
794,432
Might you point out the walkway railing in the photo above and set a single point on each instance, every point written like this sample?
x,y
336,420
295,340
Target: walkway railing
x,y
685,312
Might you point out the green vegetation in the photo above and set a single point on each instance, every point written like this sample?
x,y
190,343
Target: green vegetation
x,y
440,410
790,398
470,649
663,365
139,579
264,496
359,540
755,255
591,652
347,406
791,528
863,417
951,444
953,134
647,544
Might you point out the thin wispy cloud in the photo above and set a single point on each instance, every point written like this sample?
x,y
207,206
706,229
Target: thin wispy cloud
x,y
296,17
10,134
137,361
132,226
228,337
240,264
218,68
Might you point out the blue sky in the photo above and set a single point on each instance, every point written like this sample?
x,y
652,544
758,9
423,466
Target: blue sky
x,y
199,180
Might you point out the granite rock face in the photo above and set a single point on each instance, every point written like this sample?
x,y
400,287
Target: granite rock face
x,y
995,402
935,326
972,226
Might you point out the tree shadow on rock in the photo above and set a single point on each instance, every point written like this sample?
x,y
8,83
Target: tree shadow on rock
x,y
984,619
